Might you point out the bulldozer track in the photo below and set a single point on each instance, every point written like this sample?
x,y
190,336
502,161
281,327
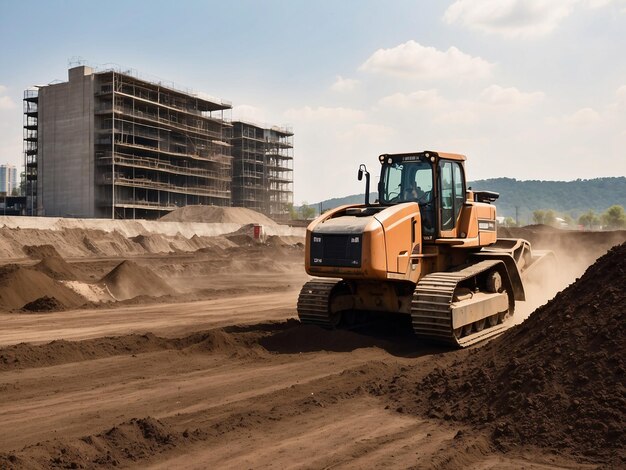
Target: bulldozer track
x,y
431,307
313,303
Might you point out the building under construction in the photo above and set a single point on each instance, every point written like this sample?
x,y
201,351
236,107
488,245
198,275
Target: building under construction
x,y
109,144
263,168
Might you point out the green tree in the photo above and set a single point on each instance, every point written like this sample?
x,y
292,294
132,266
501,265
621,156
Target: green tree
x,y
614,217
589,219
509,222
549,217
539,216
306,212
293,213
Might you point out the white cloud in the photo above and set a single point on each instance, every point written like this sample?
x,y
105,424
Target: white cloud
x,y
246,112
510,98
375,133
621,95
515,18
583,117
412,60
457,116
344,84
525,18
5,101
324,113
205,96
493,100
596,3
417,99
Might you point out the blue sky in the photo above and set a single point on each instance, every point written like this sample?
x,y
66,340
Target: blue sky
x,y
531,89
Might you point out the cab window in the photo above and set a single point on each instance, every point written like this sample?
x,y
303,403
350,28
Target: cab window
x,y
447,195
459,191
452,193
393,183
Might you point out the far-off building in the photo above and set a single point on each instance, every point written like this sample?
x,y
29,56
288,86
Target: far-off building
x,y
262,168
109,144
8,179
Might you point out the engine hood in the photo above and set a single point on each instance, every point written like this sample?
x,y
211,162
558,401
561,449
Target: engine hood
x,y
346,224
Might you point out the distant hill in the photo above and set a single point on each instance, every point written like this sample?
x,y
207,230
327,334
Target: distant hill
x,y
564,197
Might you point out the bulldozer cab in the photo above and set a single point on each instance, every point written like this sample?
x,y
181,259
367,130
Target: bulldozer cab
x,y
436,182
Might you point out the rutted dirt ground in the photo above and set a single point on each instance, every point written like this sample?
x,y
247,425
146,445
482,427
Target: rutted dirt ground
x,y
103,373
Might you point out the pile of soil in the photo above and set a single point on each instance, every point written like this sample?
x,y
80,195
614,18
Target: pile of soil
x,y
243,240
153,243
216,214
43,304
113,243
57,268
128,280
20,285
40,251
120,445
557,380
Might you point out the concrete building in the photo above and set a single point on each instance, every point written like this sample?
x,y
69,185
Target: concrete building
x,y
262,168
8,179
109,144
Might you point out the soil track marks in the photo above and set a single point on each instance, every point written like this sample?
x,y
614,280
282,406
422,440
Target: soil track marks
x,y
221,396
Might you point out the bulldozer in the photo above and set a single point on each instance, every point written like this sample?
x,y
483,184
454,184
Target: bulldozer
x,y
427,248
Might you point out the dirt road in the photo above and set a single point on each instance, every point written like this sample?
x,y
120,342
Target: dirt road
x,y
267,393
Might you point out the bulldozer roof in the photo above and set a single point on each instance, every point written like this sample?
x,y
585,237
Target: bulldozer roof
x,y
421,155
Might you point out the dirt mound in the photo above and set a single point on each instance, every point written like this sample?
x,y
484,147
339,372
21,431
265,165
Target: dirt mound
x,y
20,285
40,251
43,304
278,241
153,243
216,214
128,280
243,240
57,268
216,341
555,381
542,228
119,446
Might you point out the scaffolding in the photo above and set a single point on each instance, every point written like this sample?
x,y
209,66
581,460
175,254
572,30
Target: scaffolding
x,y
262,168
158,148
29,183
134,148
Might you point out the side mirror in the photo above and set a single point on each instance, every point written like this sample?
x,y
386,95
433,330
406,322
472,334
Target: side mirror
x,y
363,171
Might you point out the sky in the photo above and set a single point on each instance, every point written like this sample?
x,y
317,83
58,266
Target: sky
x,y
527,89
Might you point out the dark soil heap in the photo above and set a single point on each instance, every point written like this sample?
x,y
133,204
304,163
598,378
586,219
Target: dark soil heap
x,y
44,304
556,381
40,251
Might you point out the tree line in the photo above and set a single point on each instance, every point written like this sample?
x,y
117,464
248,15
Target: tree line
x,y
613,218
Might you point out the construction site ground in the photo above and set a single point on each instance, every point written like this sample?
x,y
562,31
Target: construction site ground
x,y
219,373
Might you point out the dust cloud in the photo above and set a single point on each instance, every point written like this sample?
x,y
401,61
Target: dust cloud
x,y
574,252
